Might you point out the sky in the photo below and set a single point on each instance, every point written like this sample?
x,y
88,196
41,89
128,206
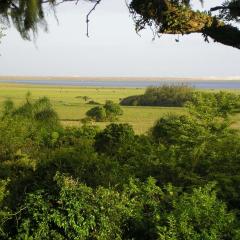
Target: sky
x,y
113,49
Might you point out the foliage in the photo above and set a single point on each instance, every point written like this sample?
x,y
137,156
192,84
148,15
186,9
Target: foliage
x,y
109,112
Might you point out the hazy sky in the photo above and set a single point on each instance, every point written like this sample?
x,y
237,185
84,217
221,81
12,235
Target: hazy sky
x,y
113,49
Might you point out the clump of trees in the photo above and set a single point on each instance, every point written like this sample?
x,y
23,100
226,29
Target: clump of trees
x,y
110,111
179,181
165,95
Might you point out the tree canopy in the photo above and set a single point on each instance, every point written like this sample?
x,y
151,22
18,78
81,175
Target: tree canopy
x,y
163,16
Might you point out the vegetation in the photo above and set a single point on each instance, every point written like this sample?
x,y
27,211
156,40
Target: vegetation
x,y
162,16
108,112
179,181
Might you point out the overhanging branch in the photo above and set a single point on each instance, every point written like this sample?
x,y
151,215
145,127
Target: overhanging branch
x,y
181,19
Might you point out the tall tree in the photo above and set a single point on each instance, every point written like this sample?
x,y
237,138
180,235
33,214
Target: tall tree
x,y
164,16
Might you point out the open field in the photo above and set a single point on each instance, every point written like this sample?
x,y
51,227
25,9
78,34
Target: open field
x,y
71,107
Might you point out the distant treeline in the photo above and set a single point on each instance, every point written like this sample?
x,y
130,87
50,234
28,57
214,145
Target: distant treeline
x,y
176,96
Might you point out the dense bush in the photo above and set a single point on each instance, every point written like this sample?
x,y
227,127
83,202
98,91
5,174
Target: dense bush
x,y
109,112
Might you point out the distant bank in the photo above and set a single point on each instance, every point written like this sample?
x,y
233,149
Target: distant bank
x,y
136,82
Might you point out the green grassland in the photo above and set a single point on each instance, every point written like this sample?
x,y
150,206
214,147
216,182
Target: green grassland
x,y
71,107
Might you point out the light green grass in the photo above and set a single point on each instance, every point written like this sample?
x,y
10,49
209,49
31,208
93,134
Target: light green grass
x,y
71,108
141,118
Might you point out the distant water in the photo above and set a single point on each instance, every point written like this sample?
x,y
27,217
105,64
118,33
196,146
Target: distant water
x,y
223,84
